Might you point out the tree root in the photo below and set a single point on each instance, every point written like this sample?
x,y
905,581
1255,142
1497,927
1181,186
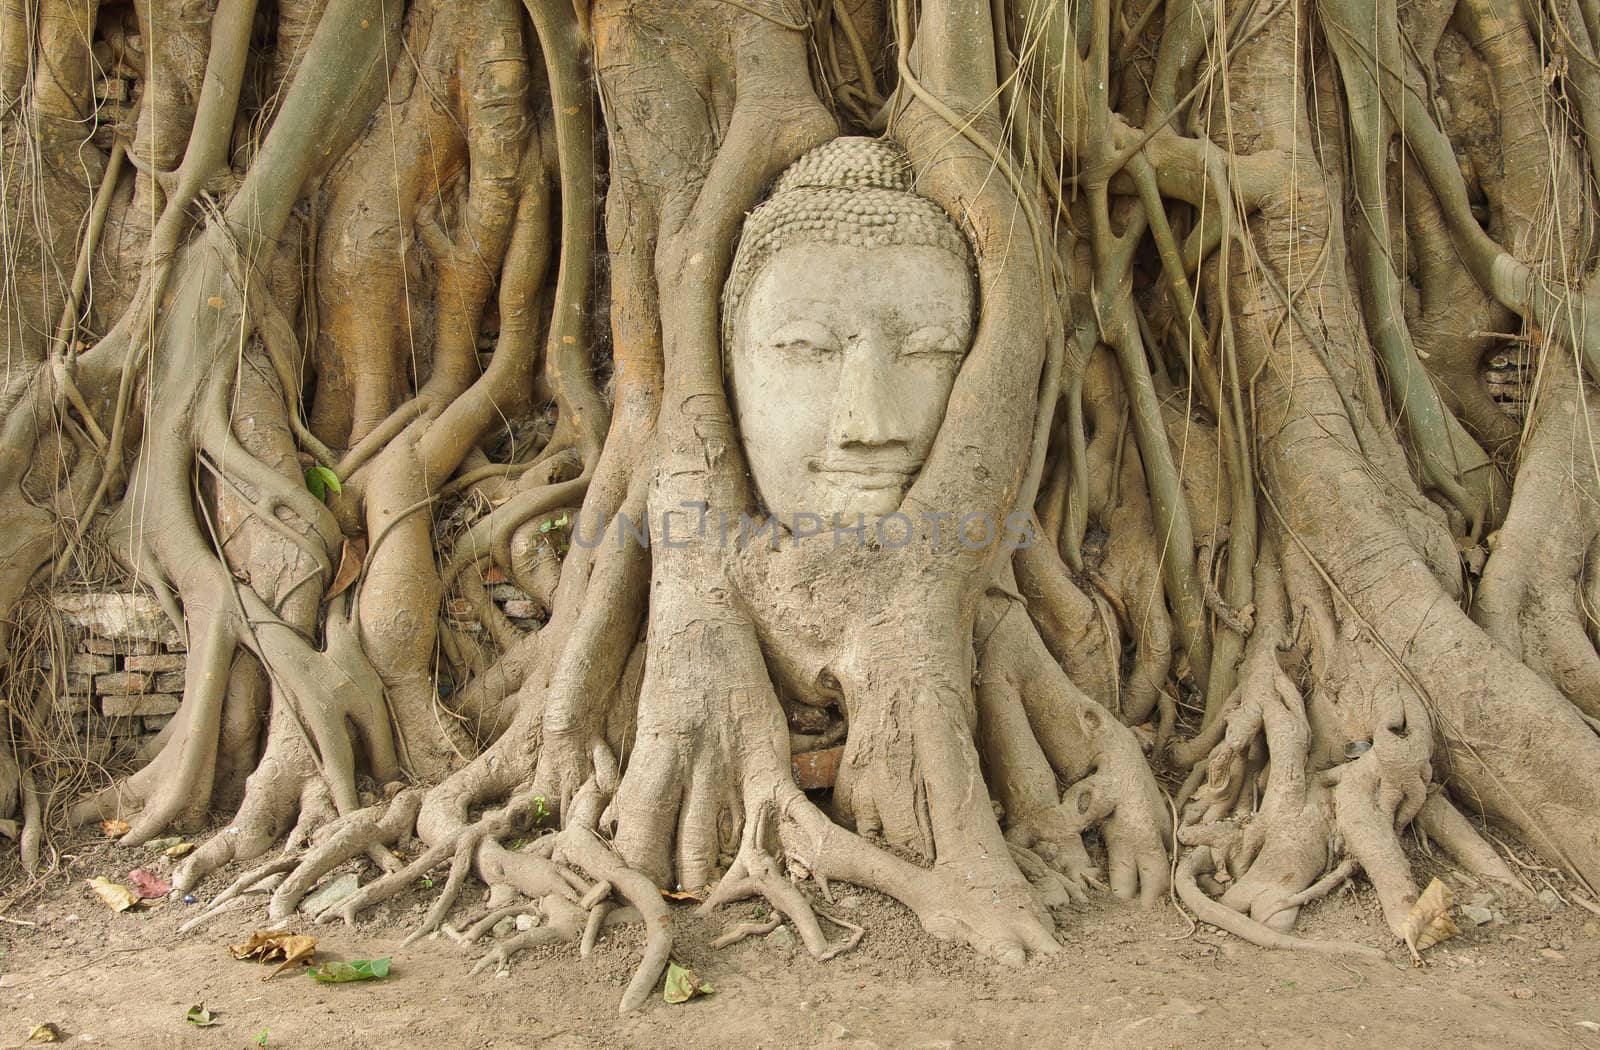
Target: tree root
x,y
357,833
755,873
1246,928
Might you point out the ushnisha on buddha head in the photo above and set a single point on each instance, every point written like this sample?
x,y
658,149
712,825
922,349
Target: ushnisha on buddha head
x,y
848,311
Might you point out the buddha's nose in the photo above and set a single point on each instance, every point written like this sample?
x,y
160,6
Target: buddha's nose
x,y
867,409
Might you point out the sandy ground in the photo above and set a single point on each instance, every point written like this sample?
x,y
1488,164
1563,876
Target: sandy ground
x,y
1126,978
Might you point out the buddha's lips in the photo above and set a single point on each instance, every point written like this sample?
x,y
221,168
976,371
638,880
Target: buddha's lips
x,y
865,474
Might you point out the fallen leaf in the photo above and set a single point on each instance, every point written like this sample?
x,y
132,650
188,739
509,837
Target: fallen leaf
x,y
682,984
163,844
147,885
45,1033
115,829
1429,920
682,895
182,849
200,1017
117,897
354,970
267,946
351,557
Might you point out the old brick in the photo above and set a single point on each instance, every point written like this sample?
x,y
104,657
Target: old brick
x,y
817,769
122,683
122,726
92,728
117,614
75,704
118,646
90,663
80,684
156,723
154,662
138,706
522,609
112,89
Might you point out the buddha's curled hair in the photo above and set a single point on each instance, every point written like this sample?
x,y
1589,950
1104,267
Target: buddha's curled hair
x,y
852,191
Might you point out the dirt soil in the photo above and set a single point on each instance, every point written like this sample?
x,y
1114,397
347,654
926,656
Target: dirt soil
x,y
1126,978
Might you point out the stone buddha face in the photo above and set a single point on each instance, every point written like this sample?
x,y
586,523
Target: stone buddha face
x,y
843,360
845,323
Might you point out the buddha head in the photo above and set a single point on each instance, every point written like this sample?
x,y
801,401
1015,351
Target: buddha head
x,y
846,316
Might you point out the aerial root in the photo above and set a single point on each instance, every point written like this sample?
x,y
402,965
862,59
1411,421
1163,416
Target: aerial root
x,y
747,929
1316,891
569,918
246,883
460,868
1055,889
1200,861
1440,821
1047,845
583,847
378,890
756,873
565,922
476,930
596,922
460,846
356,834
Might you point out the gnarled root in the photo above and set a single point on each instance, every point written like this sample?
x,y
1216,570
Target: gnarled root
x,y
756,872
1037,730
1286,793
1242,926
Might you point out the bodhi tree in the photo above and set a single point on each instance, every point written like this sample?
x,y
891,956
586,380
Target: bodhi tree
x,y
1027,400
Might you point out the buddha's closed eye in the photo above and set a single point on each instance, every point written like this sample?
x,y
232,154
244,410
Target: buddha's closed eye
x,y
806,338
932,340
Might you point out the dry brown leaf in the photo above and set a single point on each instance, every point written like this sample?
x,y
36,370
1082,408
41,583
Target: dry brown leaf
x,y
1429,920
351,557
682,895
117,897
44,1033
115,829
269,946
180,850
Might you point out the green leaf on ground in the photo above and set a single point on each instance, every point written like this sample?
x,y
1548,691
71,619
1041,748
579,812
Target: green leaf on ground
x,y
200,1017
683,985
321,481
354,970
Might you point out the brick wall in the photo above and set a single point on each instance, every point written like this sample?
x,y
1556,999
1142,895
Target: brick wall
x,y
124,672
